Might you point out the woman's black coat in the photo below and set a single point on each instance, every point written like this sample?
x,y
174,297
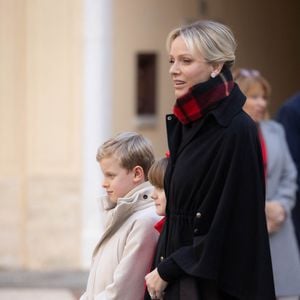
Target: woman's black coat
x,y
215,226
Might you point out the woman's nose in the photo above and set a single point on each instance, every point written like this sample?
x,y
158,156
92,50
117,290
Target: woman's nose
x,y
263,102
174,68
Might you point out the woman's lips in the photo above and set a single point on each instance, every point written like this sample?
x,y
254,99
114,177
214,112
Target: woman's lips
x,y
178,82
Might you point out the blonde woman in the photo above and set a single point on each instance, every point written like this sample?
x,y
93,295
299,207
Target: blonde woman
x,y
214,244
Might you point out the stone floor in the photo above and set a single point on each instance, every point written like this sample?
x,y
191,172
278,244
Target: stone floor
x,y
58,285
38,294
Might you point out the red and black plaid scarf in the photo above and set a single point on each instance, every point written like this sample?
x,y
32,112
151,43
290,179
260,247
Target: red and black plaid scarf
x,y
202,97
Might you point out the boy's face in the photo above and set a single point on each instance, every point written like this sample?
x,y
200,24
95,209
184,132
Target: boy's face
x,y
117,180
159,197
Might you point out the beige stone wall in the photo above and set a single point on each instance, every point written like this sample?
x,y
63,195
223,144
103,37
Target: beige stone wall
x,y
143,26
12,133
41,103
268,40
41,110
40,133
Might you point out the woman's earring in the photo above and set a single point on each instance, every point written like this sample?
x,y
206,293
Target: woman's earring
x,y
213,75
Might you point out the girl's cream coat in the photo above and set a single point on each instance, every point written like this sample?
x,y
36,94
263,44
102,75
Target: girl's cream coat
x,y
123,256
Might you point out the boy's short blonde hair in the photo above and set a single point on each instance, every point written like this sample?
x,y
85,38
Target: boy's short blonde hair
x,y
157,172
130,148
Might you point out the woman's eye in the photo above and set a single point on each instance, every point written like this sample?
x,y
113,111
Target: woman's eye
x,y
171,61
256,97
186,59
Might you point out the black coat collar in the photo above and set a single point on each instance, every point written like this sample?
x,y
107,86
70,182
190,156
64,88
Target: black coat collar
x,y
222,113
229,107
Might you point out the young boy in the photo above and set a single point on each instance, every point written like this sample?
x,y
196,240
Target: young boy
x,y
123,256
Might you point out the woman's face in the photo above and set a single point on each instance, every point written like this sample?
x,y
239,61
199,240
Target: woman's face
x,y
187,68
256,103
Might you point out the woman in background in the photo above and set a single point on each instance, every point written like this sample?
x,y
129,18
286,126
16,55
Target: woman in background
x,y
280,185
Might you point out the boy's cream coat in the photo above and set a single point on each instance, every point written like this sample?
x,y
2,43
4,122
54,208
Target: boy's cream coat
x,y
123,256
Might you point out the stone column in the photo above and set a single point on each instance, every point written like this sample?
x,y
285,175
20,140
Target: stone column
x,y
97,113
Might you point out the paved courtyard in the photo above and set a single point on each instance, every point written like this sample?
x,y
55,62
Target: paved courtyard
x,y
39,294
25,285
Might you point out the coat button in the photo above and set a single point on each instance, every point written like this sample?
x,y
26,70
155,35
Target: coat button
x,y
169,118
145,196
196,230
161,258
198,215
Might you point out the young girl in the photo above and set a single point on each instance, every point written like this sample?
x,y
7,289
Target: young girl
x,y
156,177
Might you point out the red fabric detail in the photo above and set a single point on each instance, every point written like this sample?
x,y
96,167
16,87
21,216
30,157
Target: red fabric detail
x,y
160,224
167,154
180,116
263,150
193,109
201,98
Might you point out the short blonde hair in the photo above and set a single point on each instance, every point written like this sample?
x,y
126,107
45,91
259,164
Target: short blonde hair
x,y
130,148
246,78
213,40
157,171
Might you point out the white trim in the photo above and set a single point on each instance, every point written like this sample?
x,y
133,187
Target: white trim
x,y
97,114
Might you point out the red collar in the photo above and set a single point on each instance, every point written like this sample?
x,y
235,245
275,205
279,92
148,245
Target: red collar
x,y
160,224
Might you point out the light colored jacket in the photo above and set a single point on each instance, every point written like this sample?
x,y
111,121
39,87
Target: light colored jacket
x,y
124,254
281,186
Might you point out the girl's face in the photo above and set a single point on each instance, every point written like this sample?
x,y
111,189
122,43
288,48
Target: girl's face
x,y
187,68
159,197
256,103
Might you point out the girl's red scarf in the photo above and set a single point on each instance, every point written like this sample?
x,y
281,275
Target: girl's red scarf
x,y
160,224
202,97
